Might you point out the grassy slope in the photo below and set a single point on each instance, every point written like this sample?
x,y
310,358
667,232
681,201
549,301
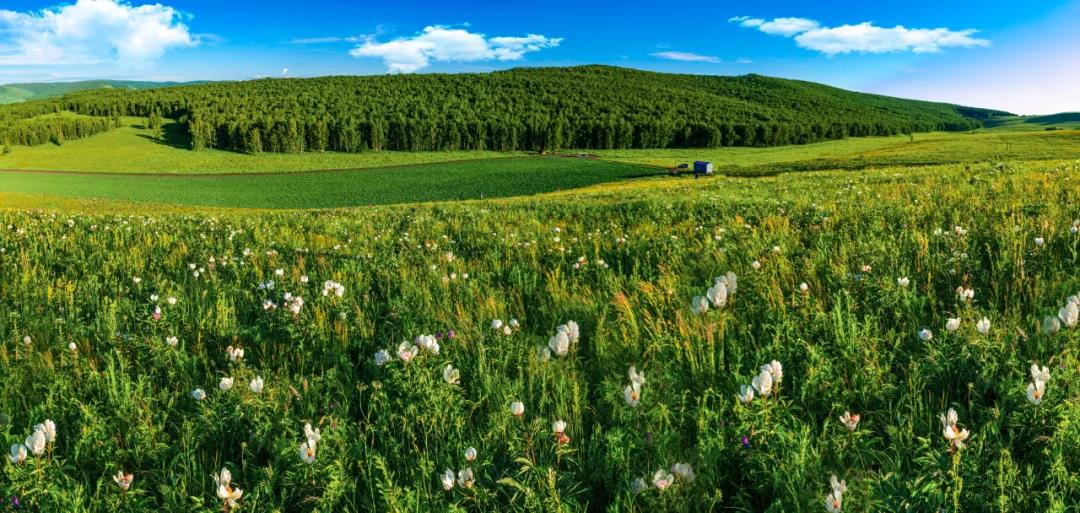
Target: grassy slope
x,y
1060,121
430,182
134,149
14,93
931,148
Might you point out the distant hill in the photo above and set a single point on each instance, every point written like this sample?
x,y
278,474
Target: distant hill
x,y
14,93
1060,121
587,107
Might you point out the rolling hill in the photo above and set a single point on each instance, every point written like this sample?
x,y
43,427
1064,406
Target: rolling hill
x,y
15,93
538,109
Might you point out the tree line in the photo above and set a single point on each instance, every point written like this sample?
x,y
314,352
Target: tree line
x,y
589,107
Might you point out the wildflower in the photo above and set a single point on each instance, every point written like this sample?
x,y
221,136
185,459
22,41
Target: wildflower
x,y
718,294
514,324
559,343
636,378
763,383
755,265
684,472
953,435
157,313
451,375
470,454
804,288
406,352
1039,241
198,394
36,443
171,301
312,435
381,357
558,427
573,333
225,384
428,343
448,480
662,479
256,385
775,369
959,231
123,480
983,326
307,452
26,340
277,272
632,394
1036,390
225,491
18,453
835,499
294,303
851,422
496,324
965,294
746,393
903,282
47,428
543,353
1069,314
517,408
952,324
333,288
866,268
926,335
699,304
638,485
234,353
304,279
465,478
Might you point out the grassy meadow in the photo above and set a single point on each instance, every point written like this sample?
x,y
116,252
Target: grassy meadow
x,y
377,326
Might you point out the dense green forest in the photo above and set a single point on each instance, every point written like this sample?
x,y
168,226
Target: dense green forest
x,y
15,93
521,109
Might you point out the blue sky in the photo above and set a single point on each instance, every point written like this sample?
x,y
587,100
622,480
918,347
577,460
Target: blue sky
x,y
1018,56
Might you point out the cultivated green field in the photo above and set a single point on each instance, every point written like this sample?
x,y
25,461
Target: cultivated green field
x,y
135,149
461,180
848,280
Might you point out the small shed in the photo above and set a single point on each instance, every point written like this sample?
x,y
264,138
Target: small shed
x,y
702,167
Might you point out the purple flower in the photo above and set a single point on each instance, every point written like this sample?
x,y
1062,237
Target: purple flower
x,y
450,334
15,502
746,441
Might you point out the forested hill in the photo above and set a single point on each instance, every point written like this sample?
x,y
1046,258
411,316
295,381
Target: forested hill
x,y
526,108
14,93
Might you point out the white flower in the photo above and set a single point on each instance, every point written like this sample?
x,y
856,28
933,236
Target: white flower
x,y
699,304
543,353
277,272
833,502
470,454
1036,391
496,324
225,491
448,480
451,375
638,485
952,324
1039,241
573,333
755,265
507,330
632,394
465,478
746,393
965,294
517,408
1040,373
1069,314
406,352
955,436
983,326
558,427
763,383
47,428
1051,325
123,480
717,294
514,324
428,343
171,300
684,471
18,453
198,394
234,353
636,378
851,422
804,288
36,443
775,369
256,385
559,343
381,357
312,435
72,347
903,282
925,334
304,279
26,340
333,288
307,452
225,384
662,479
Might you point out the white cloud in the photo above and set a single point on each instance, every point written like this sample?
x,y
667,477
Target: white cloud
x,y
686,57
91,31
442,44
284,72
863,37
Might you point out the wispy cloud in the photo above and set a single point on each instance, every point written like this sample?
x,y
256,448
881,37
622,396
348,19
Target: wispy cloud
x,y
863,37
325,40
439,43
686,57
92,31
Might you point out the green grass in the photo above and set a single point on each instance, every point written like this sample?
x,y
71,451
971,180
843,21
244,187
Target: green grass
x,y
491,178
1061,121
856,153
624,263
135,149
